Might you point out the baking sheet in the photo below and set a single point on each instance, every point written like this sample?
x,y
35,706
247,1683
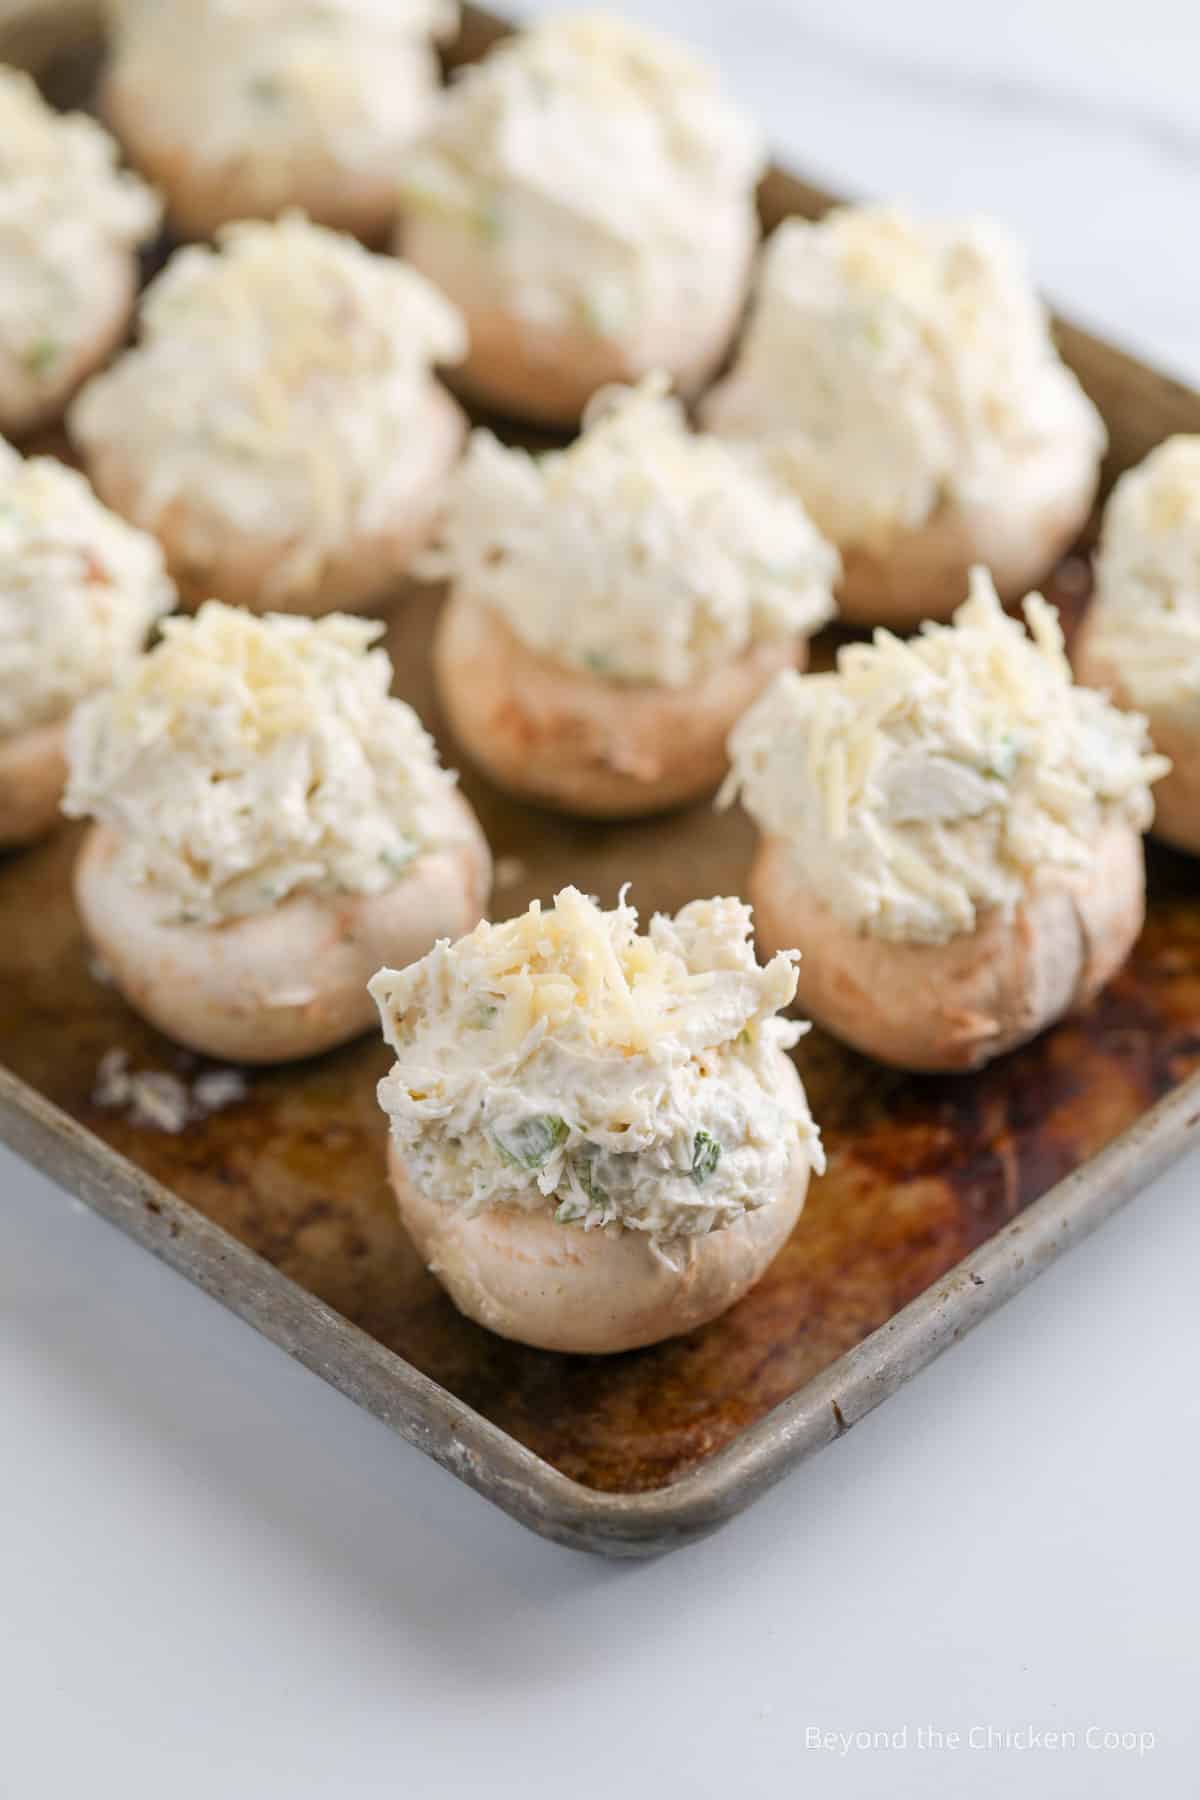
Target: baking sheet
x,y
924,1221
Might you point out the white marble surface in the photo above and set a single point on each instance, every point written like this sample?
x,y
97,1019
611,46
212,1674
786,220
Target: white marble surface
x,y
219,1579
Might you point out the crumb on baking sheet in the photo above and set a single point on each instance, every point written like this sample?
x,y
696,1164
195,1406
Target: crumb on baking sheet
x,y
218,1088
99,970
509,871
159,1100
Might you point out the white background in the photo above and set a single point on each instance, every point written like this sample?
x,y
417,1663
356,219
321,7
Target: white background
x,y
219,1579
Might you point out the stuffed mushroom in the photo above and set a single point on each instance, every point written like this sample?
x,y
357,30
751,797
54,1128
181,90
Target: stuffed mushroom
x,y
80,590
270,826
615,607
71,223
278,426
1141,637
586,197
239,109
901,377
952,835
597,1137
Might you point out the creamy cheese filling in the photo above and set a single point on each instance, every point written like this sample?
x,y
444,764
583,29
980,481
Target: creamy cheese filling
x,y
642,553
281,383
244,759
346,82
892,366
79,591
925,781
1145,617
64,206
561,1061
596,164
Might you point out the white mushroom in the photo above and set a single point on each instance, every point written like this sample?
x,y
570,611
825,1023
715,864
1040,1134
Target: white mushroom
x,y
271,825
278,426
71,222
586,197
952,835
958,1004
900,376
79,592
598,1140
1141,637
238,109
615,607
291,980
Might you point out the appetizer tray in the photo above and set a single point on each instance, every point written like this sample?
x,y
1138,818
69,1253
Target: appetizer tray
x,y
943,1197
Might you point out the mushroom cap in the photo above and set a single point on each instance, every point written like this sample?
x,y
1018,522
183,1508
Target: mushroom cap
x,y
547,373
33,774
1176,794
582,744
559,1287
28,403
286,983
956,1005
207,555
1019,534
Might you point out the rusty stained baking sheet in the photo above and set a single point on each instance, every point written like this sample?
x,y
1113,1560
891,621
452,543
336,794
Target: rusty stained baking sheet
x,y
924,1171
926,1219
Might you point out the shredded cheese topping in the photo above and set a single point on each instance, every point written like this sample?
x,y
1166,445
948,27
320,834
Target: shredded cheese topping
x,y
1145,616
244,759
65,206
926,781
561,1060
278,92
892,366
280,387
598,165
79,591
643,553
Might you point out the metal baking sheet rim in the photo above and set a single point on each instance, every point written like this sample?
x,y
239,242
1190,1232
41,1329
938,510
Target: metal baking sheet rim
x,y
496,1465
427,1415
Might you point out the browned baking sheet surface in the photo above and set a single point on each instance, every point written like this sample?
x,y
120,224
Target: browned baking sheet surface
x,y
922,1170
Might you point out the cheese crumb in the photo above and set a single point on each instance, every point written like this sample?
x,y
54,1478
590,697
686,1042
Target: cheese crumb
x,y
510,871
159,1100
925,781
